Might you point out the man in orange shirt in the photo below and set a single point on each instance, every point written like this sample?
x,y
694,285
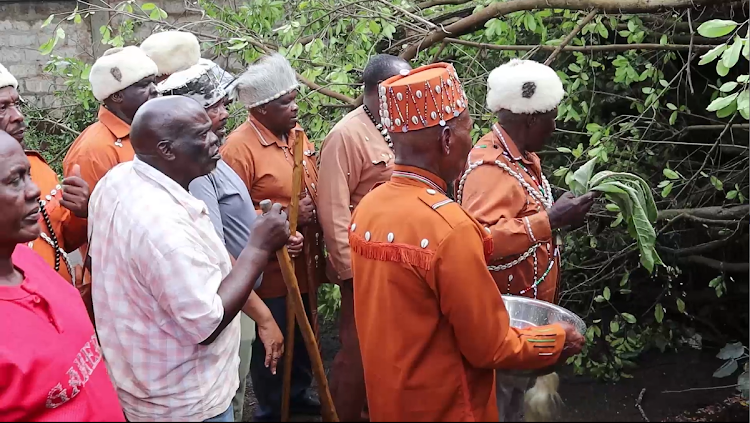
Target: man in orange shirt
x,y
122,79
261,152
355,156
63,207
431,322
505,190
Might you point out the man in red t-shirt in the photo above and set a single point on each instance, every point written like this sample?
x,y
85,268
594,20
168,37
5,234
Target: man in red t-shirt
x,y
51,365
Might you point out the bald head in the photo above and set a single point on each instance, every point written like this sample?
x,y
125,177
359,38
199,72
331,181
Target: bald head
x,y
173,134
381,67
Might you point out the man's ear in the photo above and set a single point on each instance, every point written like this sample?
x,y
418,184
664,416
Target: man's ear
x,y
165,149
446,140
531,120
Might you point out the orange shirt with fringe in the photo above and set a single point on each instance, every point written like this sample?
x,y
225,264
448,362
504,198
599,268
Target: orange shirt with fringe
x,y
431,322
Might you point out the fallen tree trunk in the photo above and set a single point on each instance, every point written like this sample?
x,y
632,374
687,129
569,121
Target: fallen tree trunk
x,y
713,213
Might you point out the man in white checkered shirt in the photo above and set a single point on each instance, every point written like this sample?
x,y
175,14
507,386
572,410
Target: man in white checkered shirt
x,y
166,298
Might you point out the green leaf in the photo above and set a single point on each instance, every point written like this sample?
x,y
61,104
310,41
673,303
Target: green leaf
x,y
728,87
603,30
647,90
593,127
664,83
671,174
671,106
574,67
77,18
731,195
667,190
374,27
716,182
47,47
60,33
727,369
155,15
607,294
148,6
599,299
582,176
612,207
743,100
673,118
712,54
530,22
614,327
628,318
659,313
48,21
560,171
163,14
727,111
721,69
663,40
564,150
721,102
617,221
681,305
742,79
731,351
715,282
732,56
716,28
624,279
746,49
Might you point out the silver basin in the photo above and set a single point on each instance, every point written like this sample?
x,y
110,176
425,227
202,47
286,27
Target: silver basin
x,y
527,312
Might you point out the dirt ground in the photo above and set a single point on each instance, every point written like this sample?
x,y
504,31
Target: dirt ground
x,y
587,400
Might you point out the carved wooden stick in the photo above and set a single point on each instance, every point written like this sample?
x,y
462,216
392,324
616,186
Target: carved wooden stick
x,y
295,297
297,183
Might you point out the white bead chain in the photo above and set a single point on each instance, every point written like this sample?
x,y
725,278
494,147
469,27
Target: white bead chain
x,y
544,199
520,258
63,254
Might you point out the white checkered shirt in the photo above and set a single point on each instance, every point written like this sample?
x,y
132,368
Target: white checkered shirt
x,y
157,264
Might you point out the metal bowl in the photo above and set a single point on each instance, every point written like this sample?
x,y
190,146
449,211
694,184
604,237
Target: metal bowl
x,y
527,312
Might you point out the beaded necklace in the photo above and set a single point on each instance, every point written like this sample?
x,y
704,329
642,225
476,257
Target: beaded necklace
x,y
52,240
379,127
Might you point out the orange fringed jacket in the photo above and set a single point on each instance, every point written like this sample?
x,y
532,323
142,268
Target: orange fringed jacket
x,y
431,322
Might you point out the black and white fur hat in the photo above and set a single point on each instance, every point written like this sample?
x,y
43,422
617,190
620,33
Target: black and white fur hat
x,y
524,87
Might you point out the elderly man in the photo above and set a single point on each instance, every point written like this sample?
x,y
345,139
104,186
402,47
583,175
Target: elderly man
x,y
356,155
50,362
229,206
122,79
172,51
63,207
432,325
166,295
261,152
505,190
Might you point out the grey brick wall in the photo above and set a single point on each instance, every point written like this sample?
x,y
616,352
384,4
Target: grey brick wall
x,y
21,35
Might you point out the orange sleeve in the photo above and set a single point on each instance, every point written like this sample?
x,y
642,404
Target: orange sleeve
x,y
471,302
338,173
75,232
94,159
495,198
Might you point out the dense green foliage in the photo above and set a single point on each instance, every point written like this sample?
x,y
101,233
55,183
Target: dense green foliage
x,y
658,111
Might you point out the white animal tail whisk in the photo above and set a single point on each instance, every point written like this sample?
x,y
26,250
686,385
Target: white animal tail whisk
x,y
542,403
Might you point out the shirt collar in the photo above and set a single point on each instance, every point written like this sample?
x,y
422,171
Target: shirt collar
x,y
194,206
410,173
115,125
266,137
508,145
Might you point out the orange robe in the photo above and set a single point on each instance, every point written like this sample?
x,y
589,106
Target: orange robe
x,y
432,324
69,229
516,220
265,164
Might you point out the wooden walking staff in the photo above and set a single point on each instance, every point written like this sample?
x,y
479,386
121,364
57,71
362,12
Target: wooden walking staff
x,y
297,182
295,297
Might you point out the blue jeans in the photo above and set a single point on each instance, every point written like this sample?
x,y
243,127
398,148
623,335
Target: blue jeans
x,y
227,416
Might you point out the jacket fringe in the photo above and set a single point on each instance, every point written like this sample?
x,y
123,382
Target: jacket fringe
x,y
397,253
489,246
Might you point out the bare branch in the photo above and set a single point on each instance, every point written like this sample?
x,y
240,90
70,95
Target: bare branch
x,y
716,213
606,47
718,265
477,20
432,3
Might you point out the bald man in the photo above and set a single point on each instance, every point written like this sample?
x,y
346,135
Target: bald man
x,y
164,276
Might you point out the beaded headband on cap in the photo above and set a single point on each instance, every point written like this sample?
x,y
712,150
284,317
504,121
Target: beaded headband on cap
x,y
421,98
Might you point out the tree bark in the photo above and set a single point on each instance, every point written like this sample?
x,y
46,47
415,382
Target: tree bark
x,y
477,20
714,213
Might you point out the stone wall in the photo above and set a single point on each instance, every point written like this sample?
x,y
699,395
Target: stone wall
x,y
21,35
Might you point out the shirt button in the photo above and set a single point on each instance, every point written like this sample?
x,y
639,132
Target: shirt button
x,y
36,299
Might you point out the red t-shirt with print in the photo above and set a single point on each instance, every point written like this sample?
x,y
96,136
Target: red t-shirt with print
x,y
51,365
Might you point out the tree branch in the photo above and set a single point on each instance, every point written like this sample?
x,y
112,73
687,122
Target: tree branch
x,y
715,213
477,20
718,265
433,3
606,47
570,36
325,91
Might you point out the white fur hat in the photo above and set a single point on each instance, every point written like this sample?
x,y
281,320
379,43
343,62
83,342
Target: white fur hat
x,y
7,79
266,80
172,51
118,69
198,82
525,87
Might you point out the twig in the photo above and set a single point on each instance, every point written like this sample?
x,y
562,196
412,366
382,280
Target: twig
x,y
570,36
409,14
701,389
638,405
690,52
594,48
